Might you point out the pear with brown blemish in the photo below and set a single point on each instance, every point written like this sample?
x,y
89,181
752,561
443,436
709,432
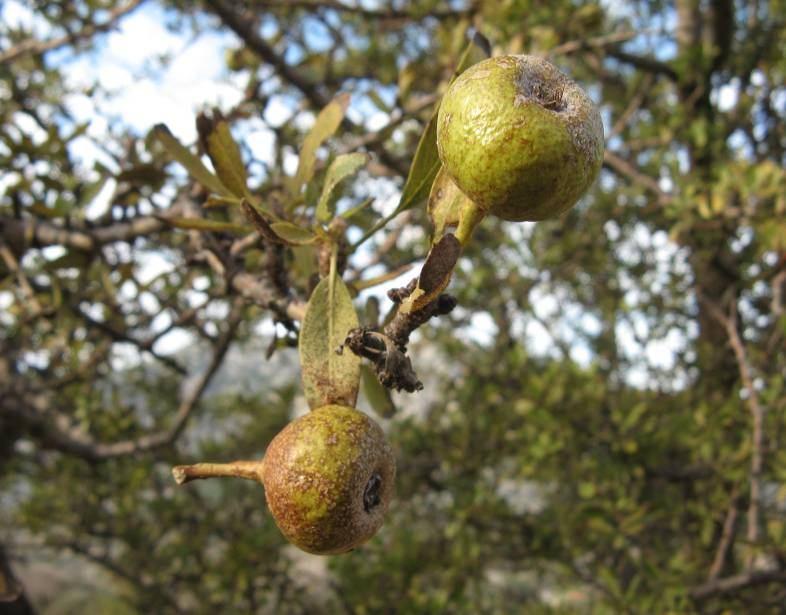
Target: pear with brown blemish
x,y
519,138
328,478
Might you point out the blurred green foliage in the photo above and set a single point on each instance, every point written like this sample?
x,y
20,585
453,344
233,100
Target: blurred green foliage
x,y
586,436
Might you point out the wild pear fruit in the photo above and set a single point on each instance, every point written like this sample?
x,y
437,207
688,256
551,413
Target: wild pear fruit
x,y
519,138
328,478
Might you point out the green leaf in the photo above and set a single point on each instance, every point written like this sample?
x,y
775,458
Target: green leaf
x,y
329,377
190,161
304,263
72,259
424,167
258,221
145,174
479,48
426,163
216,200
327,122
341,168
223,152
202,224
60,209
291,233
379,103
377,395
406,77
350,213
92,190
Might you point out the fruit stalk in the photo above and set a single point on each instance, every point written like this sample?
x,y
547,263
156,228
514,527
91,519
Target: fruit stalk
x,y
250,470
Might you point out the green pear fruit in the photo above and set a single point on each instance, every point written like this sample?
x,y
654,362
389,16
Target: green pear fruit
x,y
519,138
328,478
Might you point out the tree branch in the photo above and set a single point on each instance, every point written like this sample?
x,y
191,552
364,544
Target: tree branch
x,y
390,13
643,63
85,239
728,585
728,534
729,323
623,167
244,26
61,434
598,42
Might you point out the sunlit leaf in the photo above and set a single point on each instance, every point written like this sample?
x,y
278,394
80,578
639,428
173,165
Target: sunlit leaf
x,y
327,122
291,233
223,152
190,161
425,164
360,207
215,200
201,224
424,167
329,377
341,168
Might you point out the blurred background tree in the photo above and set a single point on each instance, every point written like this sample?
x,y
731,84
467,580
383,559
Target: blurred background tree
x,y
603,421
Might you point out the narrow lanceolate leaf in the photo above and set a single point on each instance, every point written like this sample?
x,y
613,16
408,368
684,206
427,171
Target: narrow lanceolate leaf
x,y
341,168
293,234
223,152
329,377
327,122
202,224
424,167
377,395
216,200
256,219
190,161
426,164
359,208
478,49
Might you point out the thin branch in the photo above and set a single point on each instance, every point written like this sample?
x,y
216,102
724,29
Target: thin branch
x,y
633,106
623,167
262,292
388,244
644,63
244,26
729,323
59,432
597,42
728,585
85,239
727,537
124,336
13,266
390,13
38,47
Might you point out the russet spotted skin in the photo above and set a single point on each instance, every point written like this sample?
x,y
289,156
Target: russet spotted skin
x,y
519,138
329,477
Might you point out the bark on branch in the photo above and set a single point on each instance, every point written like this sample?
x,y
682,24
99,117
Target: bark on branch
x,y
756,410
59,433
